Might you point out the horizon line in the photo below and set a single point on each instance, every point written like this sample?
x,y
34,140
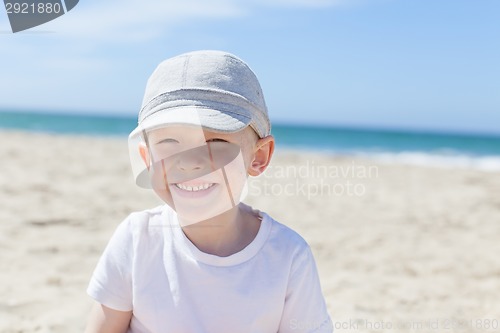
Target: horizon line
x,y
295,123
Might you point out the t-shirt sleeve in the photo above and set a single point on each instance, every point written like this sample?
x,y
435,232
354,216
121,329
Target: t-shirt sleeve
x,y
111,282
305,308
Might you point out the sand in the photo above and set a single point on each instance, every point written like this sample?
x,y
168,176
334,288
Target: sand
x,y
399,248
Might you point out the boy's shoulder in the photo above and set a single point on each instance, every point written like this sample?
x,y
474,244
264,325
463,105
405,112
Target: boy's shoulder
x,y
284,237
148,215
145,220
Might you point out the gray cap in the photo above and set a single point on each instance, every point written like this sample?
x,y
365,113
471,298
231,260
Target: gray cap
x,y
221,88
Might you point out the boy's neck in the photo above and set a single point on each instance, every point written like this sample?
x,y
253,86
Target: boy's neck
x,y
225,234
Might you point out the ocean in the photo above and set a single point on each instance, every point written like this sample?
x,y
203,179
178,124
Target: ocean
x,y
413,147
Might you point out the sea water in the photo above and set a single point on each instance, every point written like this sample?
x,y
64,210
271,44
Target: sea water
x,y
413,147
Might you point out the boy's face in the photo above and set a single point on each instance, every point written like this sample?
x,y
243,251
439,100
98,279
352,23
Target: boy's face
x,y
200,173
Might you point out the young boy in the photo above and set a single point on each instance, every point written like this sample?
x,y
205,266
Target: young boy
x,y
204,262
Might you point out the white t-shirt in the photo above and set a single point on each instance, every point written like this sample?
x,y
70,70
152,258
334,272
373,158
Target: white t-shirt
x,y
151,268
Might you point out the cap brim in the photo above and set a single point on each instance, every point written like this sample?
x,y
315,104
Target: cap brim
x,y
214,120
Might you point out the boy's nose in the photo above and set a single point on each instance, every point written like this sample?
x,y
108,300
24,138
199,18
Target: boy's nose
x,y
193,159
188,165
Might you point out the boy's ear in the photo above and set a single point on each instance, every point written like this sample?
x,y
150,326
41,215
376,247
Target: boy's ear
x,y
144,152
264,149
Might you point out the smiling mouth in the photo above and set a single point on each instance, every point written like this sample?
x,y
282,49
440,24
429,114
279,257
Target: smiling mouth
x,y
192,188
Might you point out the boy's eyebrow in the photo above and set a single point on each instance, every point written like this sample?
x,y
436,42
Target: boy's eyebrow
x,y
167,140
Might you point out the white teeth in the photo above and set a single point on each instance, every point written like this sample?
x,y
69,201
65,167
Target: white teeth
x,y
194,188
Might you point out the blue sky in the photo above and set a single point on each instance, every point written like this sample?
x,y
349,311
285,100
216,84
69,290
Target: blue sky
x,y
417,64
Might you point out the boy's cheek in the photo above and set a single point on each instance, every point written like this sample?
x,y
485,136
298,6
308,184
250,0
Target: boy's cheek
x,y
165,196
237,177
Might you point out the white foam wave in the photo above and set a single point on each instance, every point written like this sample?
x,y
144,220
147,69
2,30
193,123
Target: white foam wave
x,y
442,160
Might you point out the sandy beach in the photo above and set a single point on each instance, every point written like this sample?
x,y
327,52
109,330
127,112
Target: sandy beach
x,y
399,248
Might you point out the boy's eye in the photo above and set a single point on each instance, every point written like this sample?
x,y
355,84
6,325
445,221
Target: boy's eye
x,y
216,140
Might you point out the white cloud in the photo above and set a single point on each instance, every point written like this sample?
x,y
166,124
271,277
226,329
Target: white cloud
x,y
136,20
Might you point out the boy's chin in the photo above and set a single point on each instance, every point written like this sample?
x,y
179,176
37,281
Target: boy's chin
x,y
194,216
